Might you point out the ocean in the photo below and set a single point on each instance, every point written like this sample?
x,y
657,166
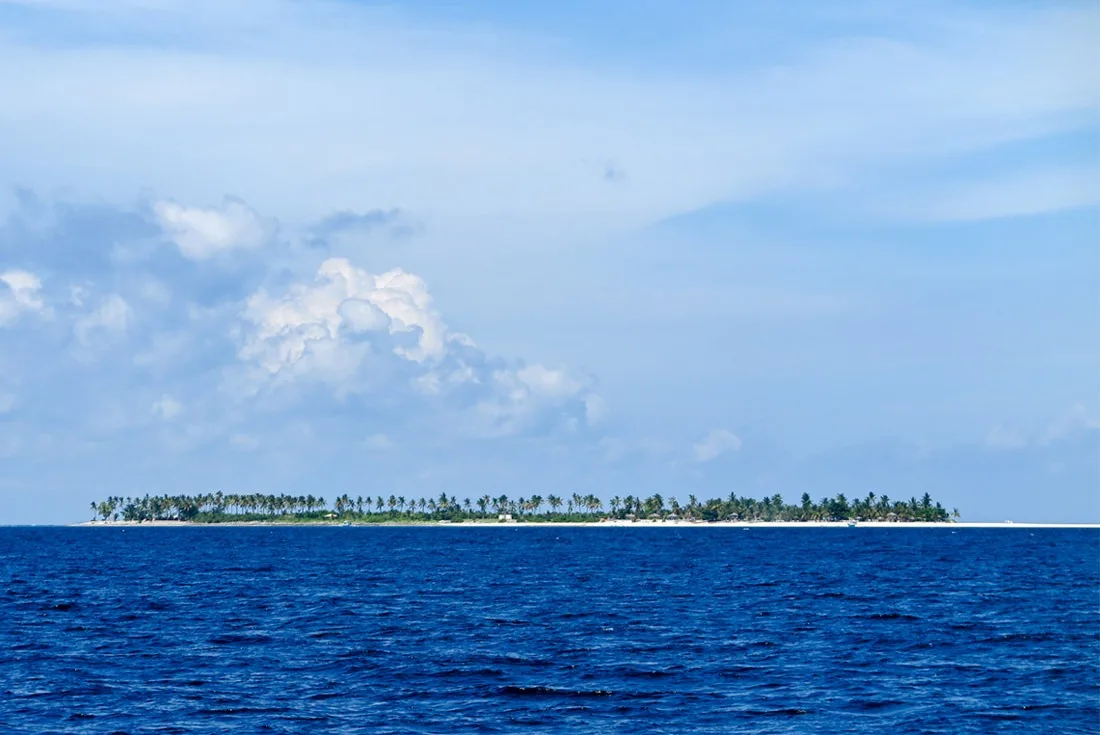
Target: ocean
x,y
549,630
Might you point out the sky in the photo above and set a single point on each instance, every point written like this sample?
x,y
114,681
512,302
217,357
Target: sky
x,y
472,247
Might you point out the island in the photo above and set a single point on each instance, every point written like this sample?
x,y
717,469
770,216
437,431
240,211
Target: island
x,y
216,507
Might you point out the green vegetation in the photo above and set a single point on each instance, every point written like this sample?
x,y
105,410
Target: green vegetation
x,y
219,508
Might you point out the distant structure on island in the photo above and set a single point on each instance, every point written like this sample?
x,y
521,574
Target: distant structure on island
x,y
235,508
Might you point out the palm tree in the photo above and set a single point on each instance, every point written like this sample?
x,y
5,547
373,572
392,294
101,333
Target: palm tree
x,y
575,502
213,507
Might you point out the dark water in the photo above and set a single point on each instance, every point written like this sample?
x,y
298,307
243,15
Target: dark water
x,y
549,630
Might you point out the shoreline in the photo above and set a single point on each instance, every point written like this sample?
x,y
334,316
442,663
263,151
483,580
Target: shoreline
x,y
580,524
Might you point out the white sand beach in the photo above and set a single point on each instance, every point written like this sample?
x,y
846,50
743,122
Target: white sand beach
x,y
603,524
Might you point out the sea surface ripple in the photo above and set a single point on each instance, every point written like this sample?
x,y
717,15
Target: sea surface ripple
x,y
548,630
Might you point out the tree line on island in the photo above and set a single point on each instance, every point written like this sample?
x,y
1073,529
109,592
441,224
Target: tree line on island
x,y
221,508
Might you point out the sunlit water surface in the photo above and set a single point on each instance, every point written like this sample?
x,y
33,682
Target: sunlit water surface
x,y
549,630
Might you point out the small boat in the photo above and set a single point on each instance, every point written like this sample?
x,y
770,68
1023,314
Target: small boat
x,y
851,524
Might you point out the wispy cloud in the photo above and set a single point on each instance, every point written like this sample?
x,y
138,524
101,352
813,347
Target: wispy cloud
x,y
107,322
462,120
1011,195
716,444
154,320
1073,425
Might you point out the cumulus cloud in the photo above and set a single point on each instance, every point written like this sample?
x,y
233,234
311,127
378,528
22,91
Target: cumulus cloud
x,y
20,293
524,398
715,444
348,327
326,330
202,233
298,334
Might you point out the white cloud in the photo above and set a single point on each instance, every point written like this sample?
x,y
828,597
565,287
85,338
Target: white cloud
x,y
167,408
107,322
202,233
20,293
531,397
550,383
717,443
351,329
312,328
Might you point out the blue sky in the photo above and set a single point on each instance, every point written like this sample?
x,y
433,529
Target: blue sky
x,y
504,247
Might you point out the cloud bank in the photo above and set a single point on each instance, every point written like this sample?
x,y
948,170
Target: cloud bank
x,y
289,325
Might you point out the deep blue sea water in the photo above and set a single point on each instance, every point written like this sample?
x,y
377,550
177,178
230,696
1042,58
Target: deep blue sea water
x,y
549,630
